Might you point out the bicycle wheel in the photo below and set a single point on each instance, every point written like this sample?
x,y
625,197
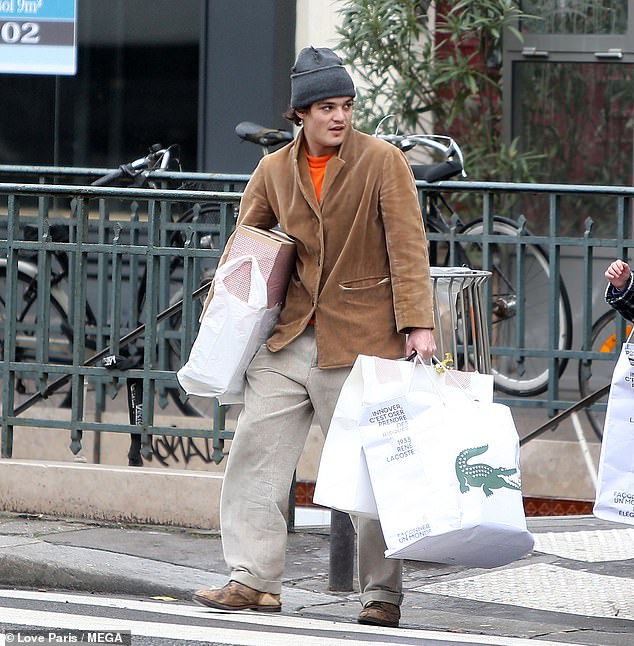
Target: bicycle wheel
x,y
28,330
528,376
594,374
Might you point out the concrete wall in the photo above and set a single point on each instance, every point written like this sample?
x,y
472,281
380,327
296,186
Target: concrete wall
x,y
113,494
316,23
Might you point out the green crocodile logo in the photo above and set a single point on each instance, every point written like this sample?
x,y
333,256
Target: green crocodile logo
x,y
481,475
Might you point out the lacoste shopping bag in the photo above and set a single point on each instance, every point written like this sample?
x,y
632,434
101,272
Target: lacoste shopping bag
x,y
236,323
615,483
447,483
343,481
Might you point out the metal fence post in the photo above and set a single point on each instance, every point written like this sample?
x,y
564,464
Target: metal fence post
x,y
341,551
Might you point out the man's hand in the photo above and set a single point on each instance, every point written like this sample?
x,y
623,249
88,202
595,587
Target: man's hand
x,y
618,273
421,340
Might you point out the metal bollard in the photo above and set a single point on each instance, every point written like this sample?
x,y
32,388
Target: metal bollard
x,y
292,502
342,536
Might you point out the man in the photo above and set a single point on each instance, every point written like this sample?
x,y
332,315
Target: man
x,y
361,285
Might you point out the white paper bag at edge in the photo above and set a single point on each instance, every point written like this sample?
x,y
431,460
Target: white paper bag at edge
x,y
615,482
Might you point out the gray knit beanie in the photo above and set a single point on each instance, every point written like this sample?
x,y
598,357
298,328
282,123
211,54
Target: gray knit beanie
x,y
318,74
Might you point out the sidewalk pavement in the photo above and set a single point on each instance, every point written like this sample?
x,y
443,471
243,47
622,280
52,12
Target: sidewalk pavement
x,y
577,586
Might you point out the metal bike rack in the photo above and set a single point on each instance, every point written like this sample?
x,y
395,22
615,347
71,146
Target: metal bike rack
x,y
461,327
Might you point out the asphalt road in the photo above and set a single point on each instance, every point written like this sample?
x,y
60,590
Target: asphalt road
x,y
50,618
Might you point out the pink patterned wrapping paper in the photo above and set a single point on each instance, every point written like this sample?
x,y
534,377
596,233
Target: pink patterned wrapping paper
x,y
275,253
238,282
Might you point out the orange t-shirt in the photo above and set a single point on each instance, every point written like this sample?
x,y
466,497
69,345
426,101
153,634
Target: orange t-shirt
x,y
317,167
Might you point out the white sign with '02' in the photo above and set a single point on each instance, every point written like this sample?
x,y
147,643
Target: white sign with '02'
x,y
38,36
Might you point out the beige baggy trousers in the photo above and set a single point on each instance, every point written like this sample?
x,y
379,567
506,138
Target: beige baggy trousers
x,y
284,391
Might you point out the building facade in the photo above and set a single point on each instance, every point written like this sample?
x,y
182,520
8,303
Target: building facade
x,y
185,73
159,71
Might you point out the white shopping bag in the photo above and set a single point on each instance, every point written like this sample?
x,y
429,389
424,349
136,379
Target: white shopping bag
x,y
236,323
615,483
447,482
343,481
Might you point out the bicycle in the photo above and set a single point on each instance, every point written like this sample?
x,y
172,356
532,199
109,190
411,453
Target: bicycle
x,y
526,375
31,315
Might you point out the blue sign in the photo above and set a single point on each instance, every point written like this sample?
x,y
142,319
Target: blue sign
x,y
38,36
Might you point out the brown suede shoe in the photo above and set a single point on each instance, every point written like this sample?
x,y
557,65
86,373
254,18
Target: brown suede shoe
x,y
236,596
380,613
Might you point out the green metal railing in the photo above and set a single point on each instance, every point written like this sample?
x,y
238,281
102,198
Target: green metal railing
x,y
131,257
103,277
576,248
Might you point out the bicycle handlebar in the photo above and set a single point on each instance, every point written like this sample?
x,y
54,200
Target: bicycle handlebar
x,y
453,162
109,178
158,158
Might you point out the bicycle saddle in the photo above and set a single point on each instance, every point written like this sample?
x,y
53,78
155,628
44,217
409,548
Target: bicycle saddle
x,y
258,134
437,172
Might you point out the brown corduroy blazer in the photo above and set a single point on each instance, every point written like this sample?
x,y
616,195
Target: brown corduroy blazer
x,y
362,267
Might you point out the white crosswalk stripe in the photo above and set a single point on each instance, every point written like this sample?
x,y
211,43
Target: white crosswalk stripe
x,y
245,629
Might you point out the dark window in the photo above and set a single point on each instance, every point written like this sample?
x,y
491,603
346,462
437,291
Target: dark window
x,y
137,84
581,116
569,97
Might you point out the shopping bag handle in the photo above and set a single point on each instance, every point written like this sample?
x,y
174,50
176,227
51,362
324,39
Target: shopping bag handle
x,y
435,361
414,355
257,287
